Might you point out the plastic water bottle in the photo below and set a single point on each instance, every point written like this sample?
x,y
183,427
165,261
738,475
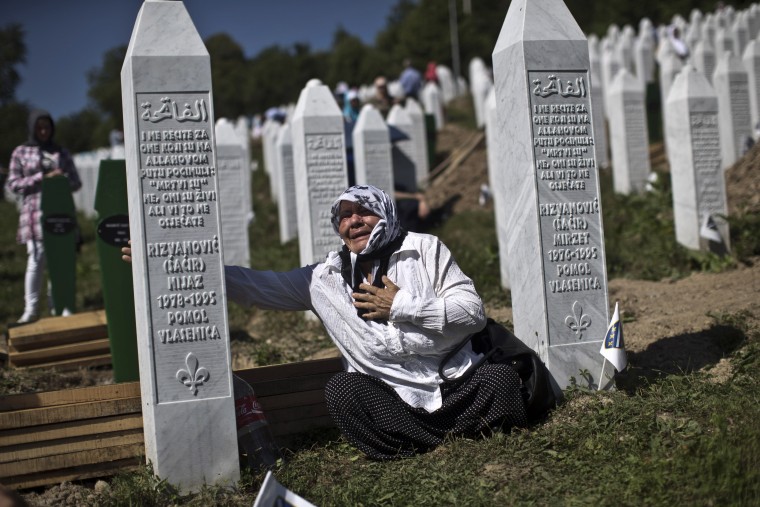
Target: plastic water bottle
x,y
255,440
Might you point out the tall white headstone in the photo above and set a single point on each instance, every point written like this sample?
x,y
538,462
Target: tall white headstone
x,y
740,33
643,55
731,86
703,58
448,83
233,202
419,141
287,211
694,152
432,102
269,139
751,60
629,136
555,239
497,177
480,83
319,158
403,150
373,163
244,135
610,68
183,338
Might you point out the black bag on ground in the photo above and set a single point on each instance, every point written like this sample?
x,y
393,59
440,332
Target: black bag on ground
x,y
499,345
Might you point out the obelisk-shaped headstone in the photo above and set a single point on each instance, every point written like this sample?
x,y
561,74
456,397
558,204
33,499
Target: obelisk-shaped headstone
x,y
178,274
419,140
403,150
694,153
287,211
629,137
319,158
555,238
497,175
751,60
372,150
731,86
703,58
231,169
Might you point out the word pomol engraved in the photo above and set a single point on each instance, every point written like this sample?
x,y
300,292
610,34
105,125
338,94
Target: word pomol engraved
x,y
193,376
169,110
555,87
578,321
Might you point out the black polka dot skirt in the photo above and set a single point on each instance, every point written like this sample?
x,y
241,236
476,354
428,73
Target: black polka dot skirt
x,y
374,418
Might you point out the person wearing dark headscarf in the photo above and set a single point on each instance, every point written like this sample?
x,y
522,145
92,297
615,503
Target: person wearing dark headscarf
x,y
394,303
38,158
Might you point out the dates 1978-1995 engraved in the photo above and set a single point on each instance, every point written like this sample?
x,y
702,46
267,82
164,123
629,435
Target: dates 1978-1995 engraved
x,y
193,376
578,321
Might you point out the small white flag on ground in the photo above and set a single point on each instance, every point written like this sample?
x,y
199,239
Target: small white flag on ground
x,y
274,494
613,348
709,230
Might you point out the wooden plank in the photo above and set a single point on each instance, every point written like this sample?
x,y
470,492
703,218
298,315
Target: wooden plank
x,y
77,411
73,364
290,370
52,331
70,429
72,459
61,352
69,396
74,474
310,397
292,385
284,415
20,452
285,429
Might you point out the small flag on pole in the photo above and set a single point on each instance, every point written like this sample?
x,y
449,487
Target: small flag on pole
x,y
709,230
274,494
613,348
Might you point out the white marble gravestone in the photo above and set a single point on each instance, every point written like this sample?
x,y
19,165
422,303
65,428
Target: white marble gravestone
x,y
555,239
703,58
373,164
419,141
480,83
731,86
610,67
244,135
447,82
432,102
643,56
629,137
694,153
231,168
319,158
287,211
751,60
269,140
497,174
177,264
740,34
600,124
403,150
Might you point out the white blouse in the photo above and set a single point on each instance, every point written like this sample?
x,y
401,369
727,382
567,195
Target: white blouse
x,y
435,309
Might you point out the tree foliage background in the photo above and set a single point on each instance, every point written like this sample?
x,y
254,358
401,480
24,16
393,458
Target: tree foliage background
x,y
416,29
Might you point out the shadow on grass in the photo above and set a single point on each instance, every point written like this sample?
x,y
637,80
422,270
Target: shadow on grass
x,y
680,354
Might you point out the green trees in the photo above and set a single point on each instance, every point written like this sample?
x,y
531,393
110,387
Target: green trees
x,y
13,115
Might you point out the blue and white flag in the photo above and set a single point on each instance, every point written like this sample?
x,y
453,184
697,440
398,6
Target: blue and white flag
x,y
709,230
613,348
274,494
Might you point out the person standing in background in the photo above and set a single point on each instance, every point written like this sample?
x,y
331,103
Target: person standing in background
x,y
38,158
411,80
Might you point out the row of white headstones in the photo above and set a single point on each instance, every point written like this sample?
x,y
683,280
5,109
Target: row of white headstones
x,y
543,134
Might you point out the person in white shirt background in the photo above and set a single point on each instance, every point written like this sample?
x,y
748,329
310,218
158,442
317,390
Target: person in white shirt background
x,y
394,303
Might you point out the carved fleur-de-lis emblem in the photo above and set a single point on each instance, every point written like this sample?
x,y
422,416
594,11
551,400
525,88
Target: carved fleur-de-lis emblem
x,y
578,321
193,376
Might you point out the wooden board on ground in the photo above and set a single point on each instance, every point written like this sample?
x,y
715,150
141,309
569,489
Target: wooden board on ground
x,y
62,343
89,432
